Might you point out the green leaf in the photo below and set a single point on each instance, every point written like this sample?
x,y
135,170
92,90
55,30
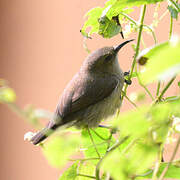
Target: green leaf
x,y
77,169
101,19
108,28
118,5
7,95
173,171
133,123
125,165
144,121
70,173
101,144
59,149
163,61
101,23
86,168
93,16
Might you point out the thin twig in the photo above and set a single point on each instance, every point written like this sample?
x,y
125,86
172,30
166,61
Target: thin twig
x,y
107,153
93,143
142,85
172,158
129,18
137,46
158,88
171,27
92,177
139,39
14,107
118,144
136,24
85,45
157,164
163,15
109,142
129,99
85,159
166,88
153,33
99,135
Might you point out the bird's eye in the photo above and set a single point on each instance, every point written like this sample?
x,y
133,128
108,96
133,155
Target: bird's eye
x,y
108,58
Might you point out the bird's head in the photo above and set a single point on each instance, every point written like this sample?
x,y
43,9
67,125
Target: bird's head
x,y
104,59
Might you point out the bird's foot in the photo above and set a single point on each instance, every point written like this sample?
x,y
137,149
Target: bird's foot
x,y
126,73
126,76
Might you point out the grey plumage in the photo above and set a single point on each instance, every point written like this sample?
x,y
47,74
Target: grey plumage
x,y
91,96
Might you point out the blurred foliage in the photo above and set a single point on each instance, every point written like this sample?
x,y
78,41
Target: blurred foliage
x,y
60,148
163,61
132,147
7,95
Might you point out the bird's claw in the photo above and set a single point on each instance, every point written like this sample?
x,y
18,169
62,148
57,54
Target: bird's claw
x,y
126,73
127,80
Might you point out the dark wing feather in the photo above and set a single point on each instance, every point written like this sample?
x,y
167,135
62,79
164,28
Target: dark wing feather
x,y
84,91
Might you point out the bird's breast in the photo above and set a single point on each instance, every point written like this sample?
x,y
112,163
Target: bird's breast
x,y
102,110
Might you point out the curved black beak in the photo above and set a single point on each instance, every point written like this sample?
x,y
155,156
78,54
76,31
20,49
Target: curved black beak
x,y
117,48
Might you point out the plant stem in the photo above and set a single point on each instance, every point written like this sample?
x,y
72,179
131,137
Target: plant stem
x,y
163,15
85,159
157,164
129,18
117,144
171,27
142,85
166,88
129,99
158,88
136,24
109,142
99,135
129,146
172,158
85,45
170,34
153,33
92,177
137,46
93,143
14,107
108,151
139,39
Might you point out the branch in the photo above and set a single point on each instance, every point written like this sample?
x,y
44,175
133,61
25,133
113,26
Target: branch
x,y
172,158
93,143
137,46
108,151
166,88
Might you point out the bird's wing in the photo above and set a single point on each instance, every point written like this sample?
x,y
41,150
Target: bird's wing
x,y
80,93
83,92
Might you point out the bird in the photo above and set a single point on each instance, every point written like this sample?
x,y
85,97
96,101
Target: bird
x,y
93,94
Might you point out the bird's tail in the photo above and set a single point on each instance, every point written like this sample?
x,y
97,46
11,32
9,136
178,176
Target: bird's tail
x,y
41,135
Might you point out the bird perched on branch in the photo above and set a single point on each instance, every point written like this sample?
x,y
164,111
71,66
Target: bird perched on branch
x,y
91,96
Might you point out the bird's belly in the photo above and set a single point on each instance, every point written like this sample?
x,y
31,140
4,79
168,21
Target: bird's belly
x,y
102,110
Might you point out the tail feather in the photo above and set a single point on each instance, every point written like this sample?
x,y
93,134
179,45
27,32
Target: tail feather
x,y
41,135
